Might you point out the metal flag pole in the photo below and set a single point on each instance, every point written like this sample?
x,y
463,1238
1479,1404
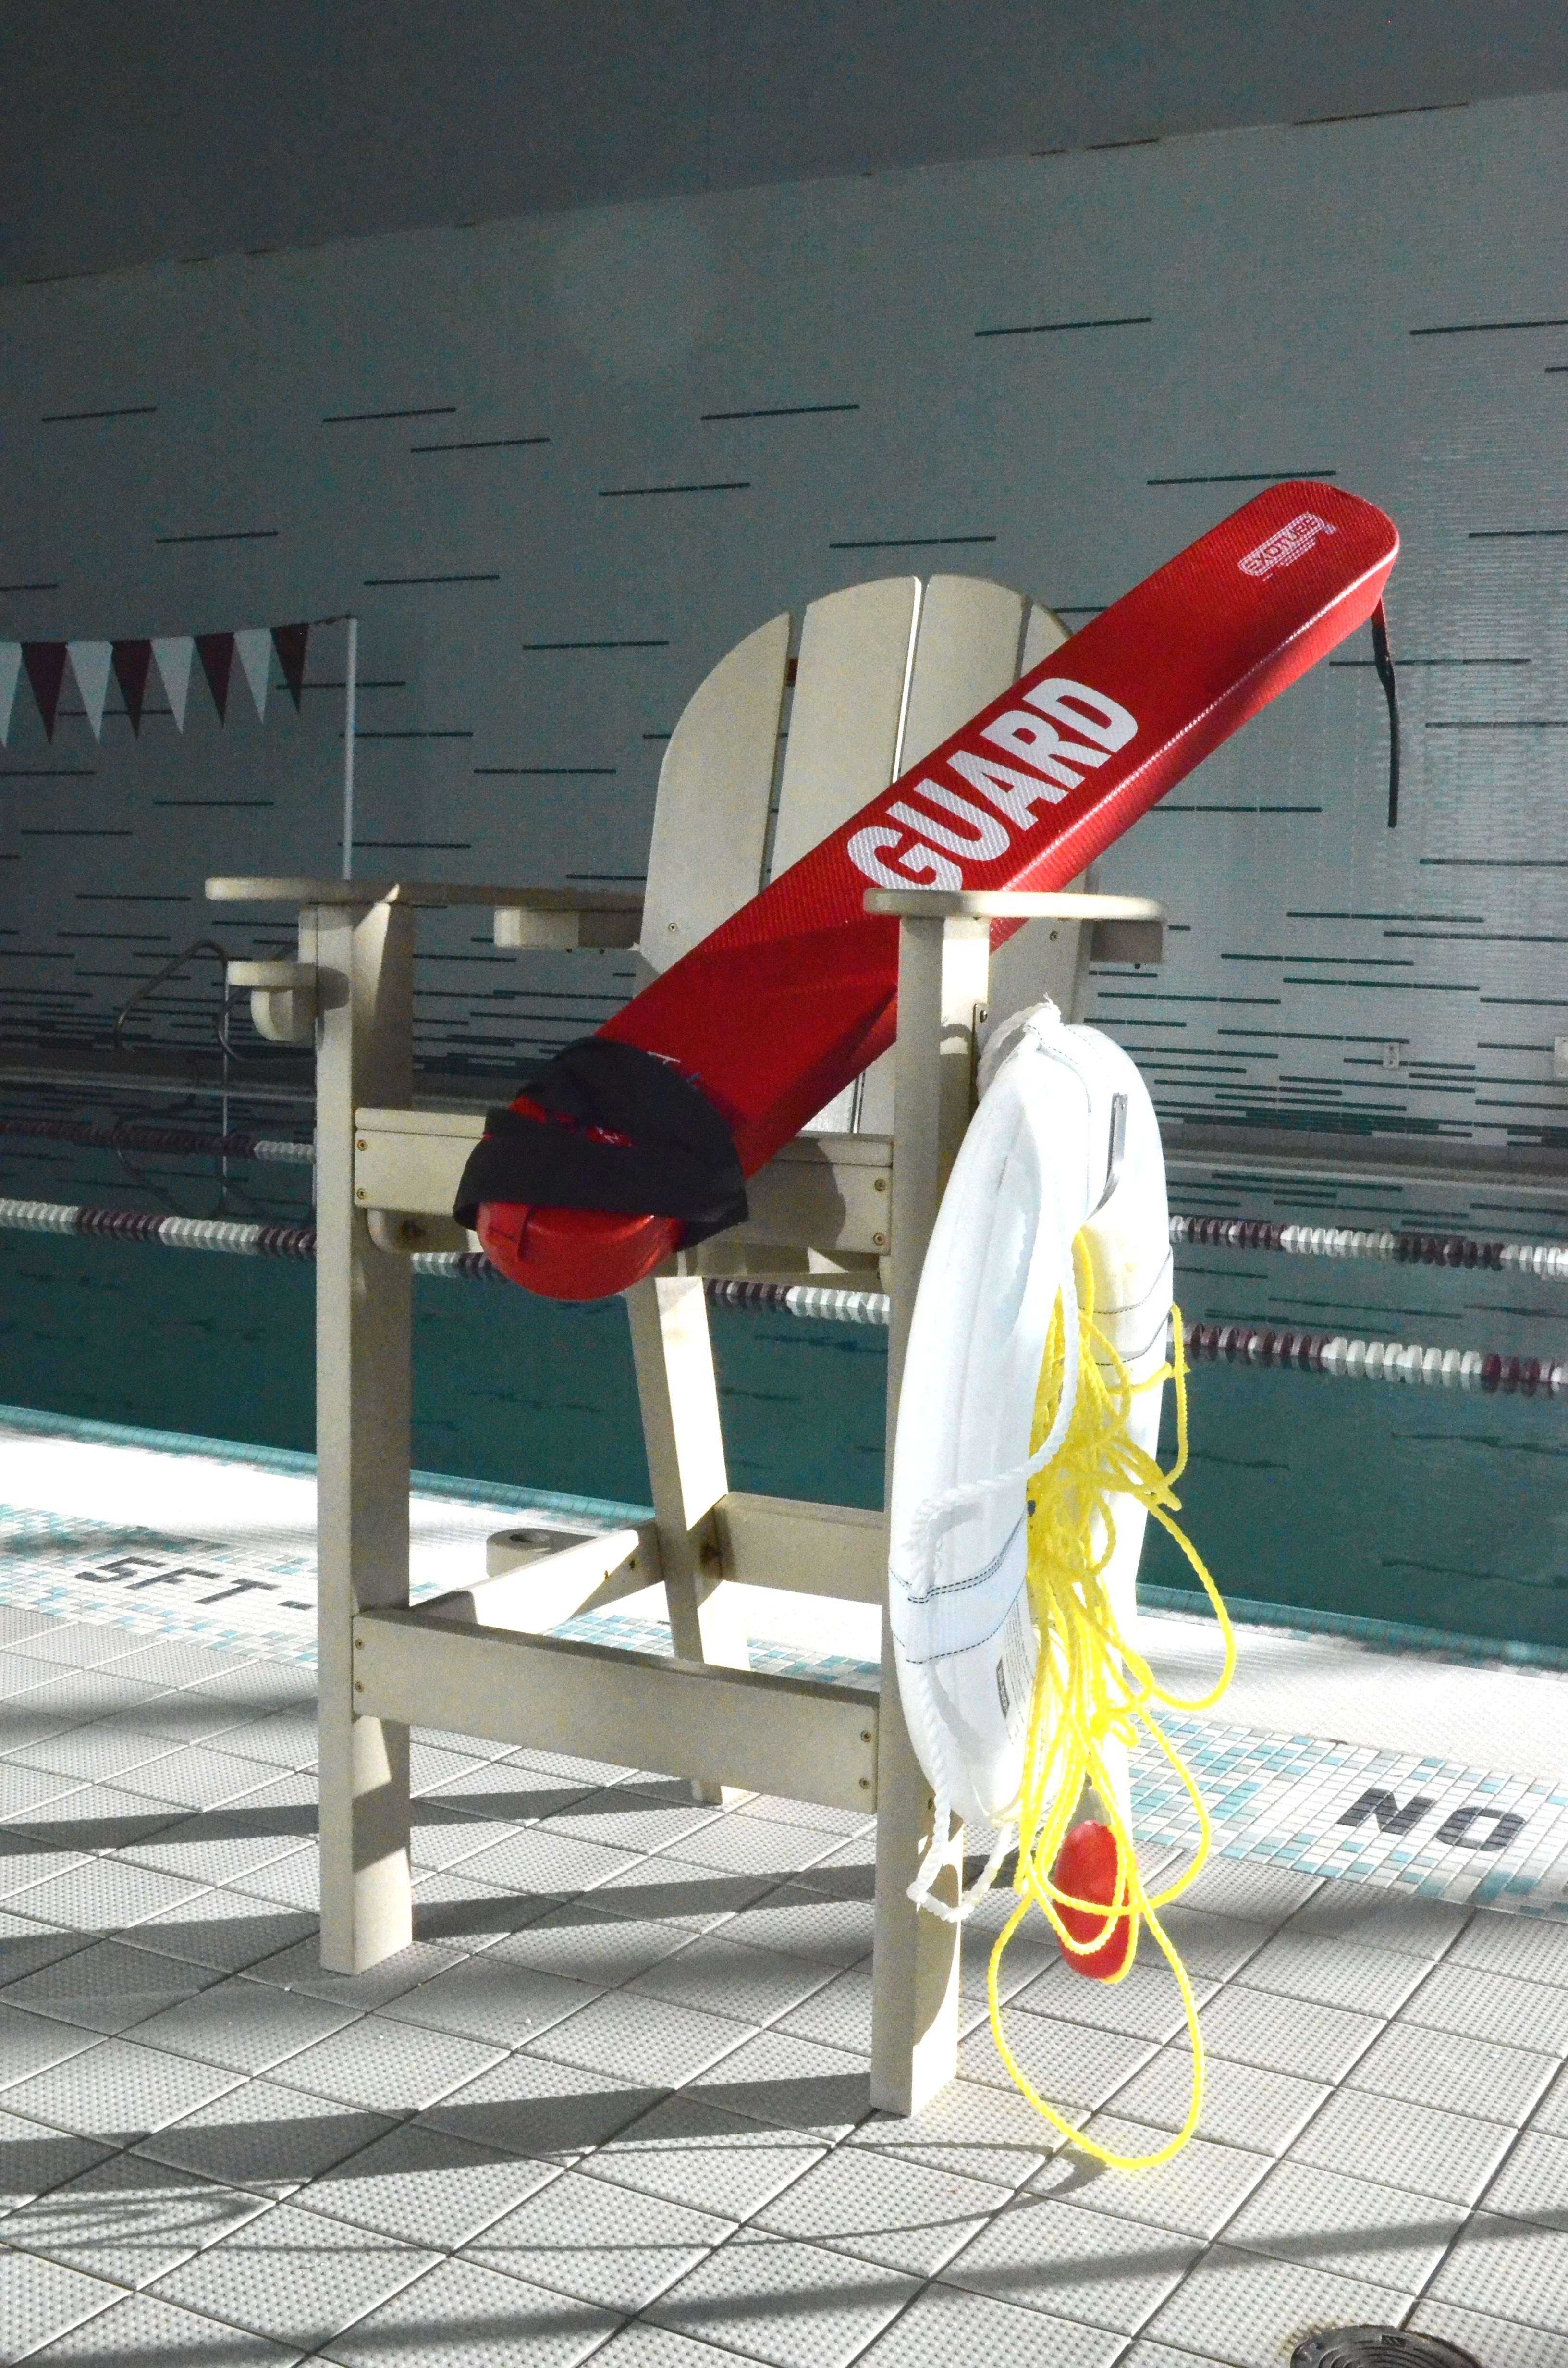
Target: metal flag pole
x,y
350,689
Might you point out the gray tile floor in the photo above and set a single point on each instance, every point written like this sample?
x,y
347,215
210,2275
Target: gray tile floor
x,y
613,2104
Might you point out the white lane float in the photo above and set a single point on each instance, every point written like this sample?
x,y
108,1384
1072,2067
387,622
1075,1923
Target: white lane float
x,y
1024,1476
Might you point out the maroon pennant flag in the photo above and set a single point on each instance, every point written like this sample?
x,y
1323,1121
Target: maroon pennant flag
x,y
45,663
216,651
288,640
132,661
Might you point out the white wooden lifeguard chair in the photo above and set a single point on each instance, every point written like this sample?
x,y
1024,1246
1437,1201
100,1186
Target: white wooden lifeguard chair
x,y
802,725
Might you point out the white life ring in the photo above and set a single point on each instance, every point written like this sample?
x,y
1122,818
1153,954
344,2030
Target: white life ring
x,y
1064,1140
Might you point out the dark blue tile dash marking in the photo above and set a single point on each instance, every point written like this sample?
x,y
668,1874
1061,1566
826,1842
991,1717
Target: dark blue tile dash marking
x,y
594,646
1368,665
782,411
1388,985
61,830
547,773
29,587
238,534
1471,937
1517,534
909,542
483,444
1486,328
1502,724
1244,477
639,492
374,582
1381,115
420,411
413,735
1311,913
1057,328
418,846
49,773
214,802
125,411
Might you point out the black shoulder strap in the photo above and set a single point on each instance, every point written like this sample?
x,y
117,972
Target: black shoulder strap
x,y
1383,658
676,1156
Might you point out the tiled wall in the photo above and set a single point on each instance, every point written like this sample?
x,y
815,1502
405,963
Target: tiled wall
x,y
559,465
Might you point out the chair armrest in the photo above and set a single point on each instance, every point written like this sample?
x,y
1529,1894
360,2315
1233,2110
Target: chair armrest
x,y
1123,929
1009,905
548,917
566,918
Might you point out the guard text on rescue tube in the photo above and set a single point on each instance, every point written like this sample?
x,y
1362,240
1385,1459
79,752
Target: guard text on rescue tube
x,y
1017,764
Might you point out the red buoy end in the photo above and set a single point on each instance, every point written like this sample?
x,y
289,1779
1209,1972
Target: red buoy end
x,y
1086,1868
573,1253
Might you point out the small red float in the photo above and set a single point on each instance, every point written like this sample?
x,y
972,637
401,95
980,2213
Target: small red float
x,y
1088,1867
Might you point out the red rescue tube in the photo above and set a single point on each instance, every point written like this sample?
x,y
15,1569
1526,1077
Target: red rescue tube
x,y
781,1006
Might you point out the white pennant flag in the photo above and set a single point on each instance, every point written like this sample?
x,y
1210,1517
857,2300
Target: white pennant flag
x,y
91,660
173,656
10,667
253,649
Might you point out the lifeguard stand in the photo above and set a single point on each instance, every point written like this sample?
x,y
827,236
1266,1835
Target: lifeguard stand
x,y
871,679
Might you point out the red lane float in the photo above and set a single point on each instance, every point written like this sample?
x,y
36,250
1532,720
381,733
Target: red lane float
x,y
789,999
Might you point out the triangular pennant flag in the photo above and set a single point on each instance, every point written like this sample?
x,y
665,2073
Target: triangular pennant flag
x,y
174,657
216,651
254,650
10,667
288,640
131,660
45,663
91,660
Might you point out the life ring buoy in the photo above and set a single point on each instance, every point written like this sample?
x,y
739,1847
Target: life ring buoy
x,y
1024,1474
1064,1141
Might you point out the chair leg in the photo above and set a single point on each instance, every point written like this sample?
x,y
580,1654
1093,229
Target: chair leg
x,y
672,1351
914,1961
942,985
363,1351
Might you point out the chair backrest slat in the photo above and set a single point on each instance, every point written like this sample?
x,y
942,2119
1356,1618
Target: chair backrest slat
x,y
966,651
710,824
1042,634
850,681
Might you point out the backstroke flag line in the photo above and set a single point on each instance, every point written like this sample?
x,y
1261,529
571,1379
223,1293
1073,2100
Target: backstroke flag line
x,y
126,662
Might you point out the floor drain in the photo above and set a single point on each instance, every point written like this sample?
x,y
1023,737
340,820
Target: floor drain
x,y
1379,2347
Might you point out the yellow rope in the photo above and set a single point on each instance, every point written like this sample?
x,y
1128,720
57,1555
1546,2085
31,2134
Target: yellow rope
x,y
1090,1686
